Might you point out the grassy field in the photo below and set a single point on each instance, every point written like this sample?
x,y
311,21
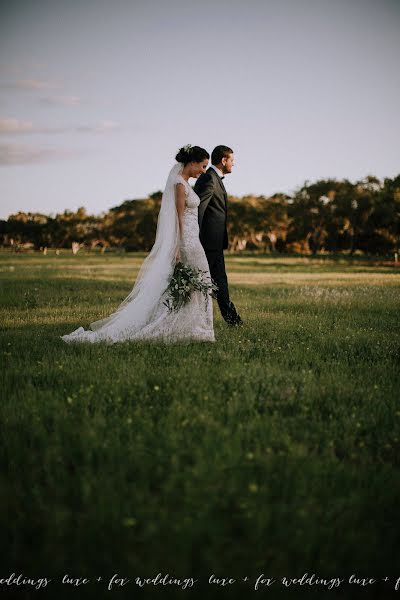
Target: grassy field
x,y
274,450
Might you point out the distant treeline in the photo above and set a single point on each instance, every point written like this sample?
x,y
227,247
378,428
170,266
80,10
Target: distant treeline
x,y
328,215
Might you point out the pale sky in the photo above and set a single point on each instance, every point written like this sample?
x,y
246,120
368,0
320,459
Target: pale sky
x,y
96,96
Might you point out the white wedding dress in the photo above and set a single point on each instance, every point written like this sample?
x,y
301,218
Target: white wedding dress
x,y
143,315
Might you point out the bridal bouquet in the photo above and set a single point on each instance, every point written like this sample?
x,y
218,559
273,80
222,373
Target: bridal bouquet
x,y
185,280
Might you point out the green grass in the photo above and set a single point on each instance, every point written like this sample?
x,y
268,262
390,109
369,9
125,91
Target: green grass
x,y
274,450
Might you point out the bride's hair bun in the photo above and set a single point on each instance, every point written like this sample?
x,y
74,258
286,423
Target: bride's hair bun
x,y
190,153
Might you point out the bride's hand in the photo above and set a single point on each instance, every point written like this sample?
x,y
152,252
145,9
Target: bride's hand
x,y
178,256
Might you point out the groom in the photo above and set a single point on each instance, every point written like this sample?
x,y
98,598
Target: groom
x,y
213,210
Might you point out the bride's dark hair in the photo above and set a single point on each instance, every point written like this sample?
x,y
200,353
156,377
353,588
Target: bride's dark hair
x,y
190,153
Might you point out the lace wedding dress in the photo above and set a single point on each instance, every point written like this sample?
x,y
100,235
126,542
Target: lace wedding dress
x,y
143,315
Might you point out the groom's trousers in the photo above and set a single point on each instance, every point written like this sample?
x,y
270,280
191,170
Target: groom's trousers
x,y
216,263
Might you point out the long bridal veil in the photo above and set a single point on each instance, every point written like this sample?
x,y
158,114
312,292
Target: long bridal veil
x,y
153,277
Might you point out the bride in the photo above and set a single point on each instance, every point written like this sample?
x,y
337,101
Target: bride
x,y
142,315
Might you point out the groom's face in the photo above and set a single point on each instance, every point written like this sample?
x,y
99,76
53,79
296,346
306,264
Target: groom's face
x,y
227,163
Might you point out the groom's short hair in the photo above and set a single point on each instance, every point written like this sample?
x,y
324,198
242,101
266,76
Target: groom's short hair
x,y
219,153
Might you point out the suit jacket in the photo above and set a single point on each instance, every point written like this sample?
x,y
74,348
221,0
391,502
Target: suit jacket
x,y
213,210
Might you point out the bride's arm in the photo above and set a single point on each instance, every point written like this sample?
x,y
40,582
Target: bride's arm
x,y
180,201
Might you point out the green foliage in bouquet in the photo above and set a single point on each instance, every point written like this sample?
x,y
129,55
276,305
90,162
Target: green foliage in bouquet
x,y
185,280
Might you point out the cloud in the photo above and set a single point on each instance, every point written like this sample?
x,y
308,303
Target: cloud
x,y
29,85
17,70
10,70
18,154
103,126
38,85
36,65
62,100
8,126
17,127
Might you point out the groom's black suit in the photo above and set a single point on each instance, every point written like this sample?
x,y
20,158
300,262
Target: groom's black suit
x,y
213,210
